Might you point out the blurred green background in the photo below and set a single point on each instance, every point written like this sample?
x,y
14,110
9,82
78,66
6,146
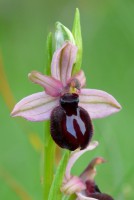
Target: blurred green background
x,y
108,61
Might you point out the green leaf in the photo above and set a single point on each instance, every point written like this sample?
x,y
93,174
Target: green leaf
x,y
78,41
55,192
62,34
49,52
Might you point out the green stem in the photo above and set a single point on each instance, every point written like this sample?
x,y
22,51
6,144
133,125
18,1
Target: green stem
x,y
49,158
49,145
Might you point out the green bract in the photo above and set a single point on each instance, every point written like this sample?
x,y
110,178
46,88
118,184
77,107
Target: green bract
x,y
78,41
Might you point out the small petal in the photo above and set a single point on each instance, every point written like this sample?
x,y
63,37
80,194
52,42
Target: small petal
x,y
36,107
83,197
75,155
90,170
62,62
80,76
98,103
52,86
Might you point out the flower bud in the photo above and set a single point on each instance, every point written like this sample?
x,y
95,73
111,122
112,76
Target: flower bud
x,y
62,34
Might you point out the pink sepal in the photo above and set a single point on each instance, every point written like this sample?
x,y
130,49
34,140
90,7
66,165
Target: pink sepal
x,y
98,103
36,107
75,155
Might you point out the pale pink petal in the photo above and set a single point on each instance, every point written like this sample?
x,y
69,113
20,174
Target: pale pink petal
x,y
36,107
62,62
74,157
52,86
82,196
75,184
98,103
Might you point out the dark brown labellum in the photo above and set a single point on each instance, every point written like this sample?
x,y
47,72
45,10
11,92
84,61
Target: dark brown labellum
x,y
101,196
91,187
92,190
71,126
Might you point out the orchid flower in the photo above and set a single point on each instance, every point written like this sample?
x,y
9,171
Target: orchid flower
x,y
47,104
83,186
